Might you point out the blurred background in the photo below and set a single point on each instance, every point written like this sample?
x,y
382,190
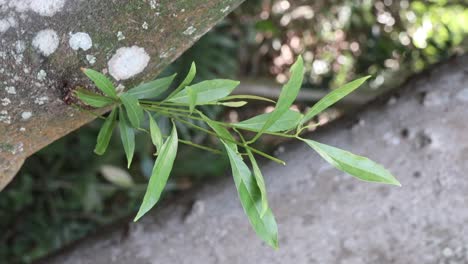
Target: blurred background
x,y
65,192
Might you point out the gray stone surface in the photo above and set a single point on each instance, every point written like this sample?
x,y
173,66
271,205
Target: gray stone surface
x,y
325,216
44,43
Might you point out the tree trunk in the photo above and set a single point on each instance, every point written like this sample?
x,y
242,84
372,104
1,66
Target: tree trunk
x,y
43,44
325,216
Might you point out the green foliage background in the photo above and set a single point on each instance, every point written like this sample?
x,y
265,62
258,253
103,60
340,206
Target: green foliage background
x,y
60,194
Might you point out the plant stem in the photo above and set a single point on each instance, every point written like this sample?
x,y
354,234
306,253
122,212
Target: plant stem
x,y
88,111
176,116
235,142
200,146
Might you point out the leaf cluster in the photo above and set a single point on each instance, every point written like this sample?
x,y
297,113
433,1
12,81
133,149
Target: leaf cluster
x,y
130,109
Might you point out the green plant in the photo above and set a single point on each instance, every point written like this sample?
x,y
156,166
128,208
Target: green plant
x,y
180,106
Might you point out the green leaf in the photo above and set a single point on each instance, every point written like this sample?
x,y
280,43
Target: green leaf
x,y
207,91
127,134
233,104
332,98
101,82
260,181
134,110
155,131
192,98
287,96
188,79
161,170
221,131
93,99
357,166
287,121
152,89
249,97
250,198
105,133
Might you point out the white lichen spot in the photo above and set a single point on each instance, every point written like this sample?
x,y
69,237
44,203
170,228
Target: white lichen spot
x,y
41,100
46,7
26,115
41,7
80,40
46,41
18,148
91,59
145,25
164,55
20,47
10,89
5,101
120,36
189,31
41,75
7,23
224,10
153,4
4,117
128,62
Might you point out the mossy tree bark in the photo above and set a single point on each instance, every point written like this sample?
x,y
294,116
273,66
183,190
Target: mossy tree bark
x,y
41,54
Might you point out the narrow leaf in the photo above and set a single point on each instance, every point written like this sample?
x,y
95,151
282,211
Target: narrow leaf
x,y
221,131
93,99
207,91
250,198
134,110
248,97
188,79
152,89
155,131
161,171
287,96
233,104
357,166
287,121
332,98
127,134
101,82
105,133
192,98
260,182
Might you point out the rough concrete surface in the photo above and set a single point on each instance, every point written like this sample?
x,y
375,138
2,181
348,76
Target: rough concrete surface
x,y
325,216
43,44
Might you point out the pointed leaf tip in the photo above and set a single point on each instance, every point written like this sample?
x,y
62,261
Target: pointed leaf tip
x,y
287,96
160,174
250,197
333,97
356,166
